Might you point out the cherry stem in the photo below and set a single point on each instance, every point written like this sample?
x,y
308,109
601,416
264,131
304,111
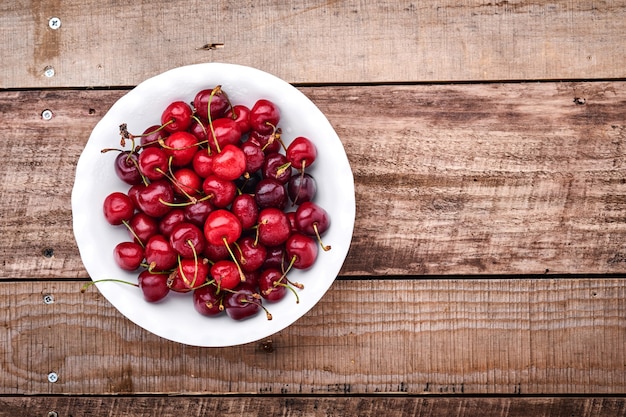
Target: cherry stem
x,y
319,238
217,89
89,284
170,176
267,313
133,233
232,255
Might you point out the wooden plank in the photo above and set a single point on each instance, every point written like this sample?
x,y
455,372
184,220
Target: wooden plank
x,y
450,179
314,407
110,43
489,336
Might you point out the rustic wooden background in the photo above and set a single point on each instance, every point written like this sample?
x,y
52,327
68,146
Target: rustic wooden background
x,y
486,273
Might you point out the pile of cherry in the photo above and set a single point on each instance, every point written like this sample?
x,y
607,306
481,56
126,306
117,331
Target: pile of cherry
x,y
217,207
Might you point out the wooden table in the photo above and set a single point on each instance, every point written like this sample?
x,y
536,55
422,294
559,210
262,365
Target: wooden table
x,y
486,272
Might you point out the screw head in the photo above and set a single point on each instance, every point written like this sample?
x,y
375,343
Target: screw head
x,y
48,299
53,414
48,71
54,23
53,377
46,114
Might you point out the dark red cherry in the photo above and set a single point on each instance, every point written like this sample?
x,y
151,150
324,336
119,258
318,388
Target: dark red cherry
x,y
268,142
254,156
250,254
127,167
153,285
312,220
216,253
276,167
272,284
218,100
270,193
198,212
187,240
245,208
275,257
153,136
242,304
207,302
170,220
301,188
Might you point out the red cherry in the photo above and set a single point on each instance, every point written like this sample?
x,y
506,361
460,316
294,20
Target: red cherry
x,y
176,117
118,208
180,147
222,226
153,163
189,274
159,253
301,188
273,228
230,163
264,116
152,136
220,192
224,131
153,285
154,199
187,183
241,115
142,227
128,255
226,274
202,163
301,153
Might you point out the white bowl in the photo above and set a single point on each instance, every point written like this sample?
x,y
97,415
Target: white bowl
x,y
175,317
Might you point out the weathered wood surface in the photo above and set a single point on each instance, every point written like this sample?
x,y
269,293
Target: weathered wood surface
x,y
506,178
112,43
413,337
313,407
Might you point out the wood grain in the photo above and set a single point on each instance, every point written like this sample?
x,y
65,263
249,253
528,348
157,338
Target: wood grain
x,y
112,43
513,178
483,336
314,407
